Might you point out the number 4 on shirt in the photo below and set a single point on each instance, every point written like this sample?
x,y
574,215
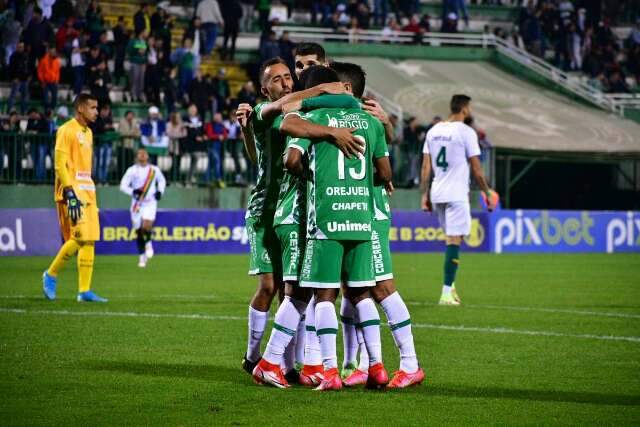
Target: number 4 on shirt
x,y
441,159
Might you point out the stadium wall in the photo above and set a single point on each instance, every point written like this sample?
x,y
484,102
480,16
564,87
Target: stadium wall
x,y
35,232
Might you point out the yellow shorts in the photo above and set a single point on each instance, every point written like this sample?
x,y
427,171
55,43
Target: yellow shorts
x,y
86,229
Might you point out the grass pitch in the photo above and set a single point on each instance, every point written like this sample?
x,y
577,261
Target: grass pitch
x,y
541,339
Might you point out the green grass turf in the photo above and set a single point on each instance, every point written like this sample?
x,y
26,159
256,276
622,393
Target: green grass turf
x,y
62,369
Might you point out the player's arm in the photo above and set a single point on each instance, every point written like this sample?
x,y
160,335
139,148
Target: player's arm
x,y
326,100
374,108
383,170
274,109
294,156
243,114
125,183
472,151
74,205
425,182
295,126
161,184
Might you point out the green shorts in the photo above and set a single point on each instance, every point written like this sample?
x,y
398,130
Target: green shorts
x,y
292,240
265,247
382,265
328,262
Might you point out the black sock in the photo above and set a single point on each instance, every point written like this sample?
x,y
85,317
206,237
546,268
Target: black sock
x,y
147,236
140,241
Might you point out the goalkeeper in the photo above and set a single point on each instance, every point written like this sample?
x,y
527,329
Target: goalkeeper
x,y
75,196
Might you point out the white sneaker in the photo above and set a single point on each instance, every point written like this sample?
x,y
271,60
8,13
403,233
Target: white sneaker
x,y
148,250
142,261
448,300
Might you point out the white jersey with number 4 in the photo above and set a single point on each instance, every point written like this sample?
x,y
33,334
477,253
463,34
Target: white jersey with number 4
x,y
450,145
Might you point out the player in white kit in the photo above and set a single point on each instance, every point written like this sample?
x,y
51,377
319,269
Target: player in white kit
x,y
145,183
449,148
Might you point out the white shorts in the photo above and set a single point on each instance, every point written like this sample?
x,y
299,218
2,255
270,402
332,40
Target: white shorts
x,y
146,212
454,217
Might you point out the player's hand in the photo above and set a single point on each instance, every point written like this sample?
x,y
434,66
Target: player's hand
x,y
158,195
137,193
243,114
74,205
374,108
334,88
491,200
389,188
347,142
291,106
425,203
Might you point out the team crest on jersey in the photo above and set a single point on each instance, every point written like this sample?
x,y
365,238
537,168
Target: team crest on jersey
x,y
77,234
265,257
80,136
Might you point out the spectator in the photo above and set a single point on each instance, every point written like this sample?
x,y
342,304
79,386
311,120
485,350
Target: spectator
x,y
154,133
231,13
105,135
152,73
200,94
93,59
269,47
14,154
120,42
62,9
458,8
65,36
36,36
141,20
137,53
209,13
322,8
11,30
247,94
412,150
38,127
161,28
362,15
216,136
193,143
62,116
49,76
176,131
94,21
105,46
167,81
129,130
78,51
247,15
187,60
196,35
221,92
20,74
450,23
380,11
287,48
617,83
263,7
235,147
100,84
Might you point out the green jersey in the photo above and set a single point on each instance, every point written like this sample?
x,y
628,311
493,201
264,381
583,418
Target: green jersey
x,y
270,144
291,205
340,190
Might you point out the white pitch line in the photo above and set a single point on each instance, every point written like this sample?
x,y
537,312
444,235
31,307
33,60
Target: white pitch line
x,y
459,328
540,309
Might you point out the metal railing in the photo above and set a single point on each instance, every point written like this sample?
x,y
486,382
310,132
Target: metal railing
x,y
616,103
29,159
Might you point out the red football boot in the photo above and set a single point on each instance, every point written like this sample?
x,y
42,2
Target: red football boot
x,y
268,373
311,375
402,379
331,381
378,377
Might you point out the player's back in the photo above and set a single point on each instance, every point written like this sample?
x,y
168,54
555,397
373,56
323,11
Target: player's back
x,y
450,145
77,142
340,195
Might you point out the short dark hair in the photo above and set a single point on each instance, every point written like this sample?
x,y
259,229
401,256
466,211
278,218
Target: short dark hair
x,y
351,73
458,102
316,75
83,98
311,49
268,63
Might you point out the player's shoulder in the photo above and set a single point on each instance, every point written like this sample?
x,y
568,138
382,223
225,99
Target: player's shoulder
x,y
467,131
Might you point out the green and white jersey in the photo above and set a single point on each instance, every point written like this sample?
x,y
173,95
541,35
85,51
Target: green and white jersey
x,y
381,203
340,190
291,206
270,145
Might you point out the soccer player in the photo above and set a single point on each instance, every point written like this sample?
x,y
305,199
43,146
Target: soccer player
x,y
145,184
339,226
385,292
265,145
308,55
76,203
449,148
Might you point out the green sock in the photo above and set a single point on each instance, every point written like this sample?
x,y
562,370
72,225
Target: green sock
x,y
451,262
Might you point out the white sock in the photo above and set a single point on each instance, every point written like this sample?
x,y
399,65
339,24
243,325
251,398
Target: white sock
x,y
364,356
369,321
284,329
312,354
400,324
289,359
327,328
446,290
300,334
257,323
349,338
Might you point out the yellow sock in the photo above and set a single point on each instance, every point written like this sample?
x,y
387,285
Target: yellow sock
x,y
85,266
67,250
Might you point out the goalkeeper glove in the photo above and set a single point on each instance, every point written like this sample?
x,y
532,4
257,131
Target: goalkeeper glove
x,y
158,195
74,205
137,193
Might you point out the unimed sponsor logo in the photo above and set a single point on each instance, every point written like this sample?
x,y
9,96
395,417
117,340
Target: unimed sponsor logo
x,y
11,238
334,226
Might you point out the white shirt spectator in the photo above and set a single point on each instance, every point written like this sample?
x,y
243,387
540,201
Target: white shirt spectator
x,y
209,12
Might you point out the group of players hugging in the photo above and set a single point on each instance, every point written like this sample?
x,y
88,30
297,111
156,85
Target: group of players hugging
x,y
318,221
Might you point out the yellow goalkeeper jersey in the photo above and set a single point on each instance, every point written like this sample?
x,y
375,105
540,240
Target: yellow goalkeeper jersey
x,y
76,141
